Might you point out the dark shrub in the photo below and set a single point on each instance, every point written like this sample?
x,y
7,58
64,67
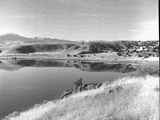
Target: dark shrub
x,y
26,49
97,47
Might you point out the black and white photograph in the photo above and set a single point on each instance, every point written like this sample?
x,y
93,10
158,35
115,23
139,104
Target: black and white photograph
x,y
79,60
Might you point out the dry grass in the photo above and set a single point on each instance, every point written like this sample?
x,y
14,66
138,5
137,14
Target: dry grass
x,y
130,98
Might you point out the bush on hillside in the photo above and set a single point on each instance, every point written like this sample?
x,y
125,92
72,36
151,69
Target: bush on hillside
x,y
26,49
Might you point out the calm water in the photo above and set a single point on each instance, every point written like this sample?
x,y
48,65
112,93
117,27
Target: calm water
x,y
24,83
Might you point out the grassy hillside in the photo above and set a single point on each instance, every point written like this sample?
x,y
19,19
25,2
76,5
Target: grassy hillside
x,y
130,98
11,44
44,48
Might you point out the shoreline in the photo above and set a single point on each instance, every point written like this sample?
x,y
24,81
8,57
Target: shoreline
x,y
135,92
91,59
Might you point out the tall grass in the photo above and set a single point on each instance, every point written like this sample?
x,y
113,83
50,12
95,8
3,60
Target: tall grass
x,y
129,98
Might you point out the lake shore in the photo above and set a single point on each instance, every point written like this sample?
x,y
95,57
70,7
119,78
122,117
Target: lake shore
x,y
103,57
127,98
105,102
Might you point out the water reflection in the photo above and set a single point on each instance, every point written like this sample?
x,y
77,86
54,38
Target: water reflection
x,y
82,65
100,66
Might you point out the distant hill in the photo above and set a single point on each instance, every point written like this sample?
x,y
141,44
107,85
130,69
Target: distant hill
x,y
14,43
15,37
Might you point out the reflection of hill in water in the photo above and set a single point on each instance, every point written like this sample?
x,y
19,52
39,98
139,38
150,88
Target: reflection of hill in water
x,y
108,67
40,63
5,65
84,66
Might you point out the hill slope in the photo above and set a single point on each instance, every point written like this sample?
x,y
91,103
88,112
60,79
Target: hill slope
x,y
131,98
12,44
15,37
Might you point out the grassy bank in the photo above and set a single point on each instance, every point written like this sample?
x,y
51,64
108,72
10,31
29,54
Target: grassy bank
x,y
129,98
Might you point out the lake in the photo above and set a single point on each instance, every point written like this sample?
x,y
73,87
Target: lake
x,y
24,83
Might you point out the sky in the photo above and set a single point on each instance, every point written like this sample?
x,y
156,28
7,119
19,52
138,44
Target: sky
x,y
81,19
